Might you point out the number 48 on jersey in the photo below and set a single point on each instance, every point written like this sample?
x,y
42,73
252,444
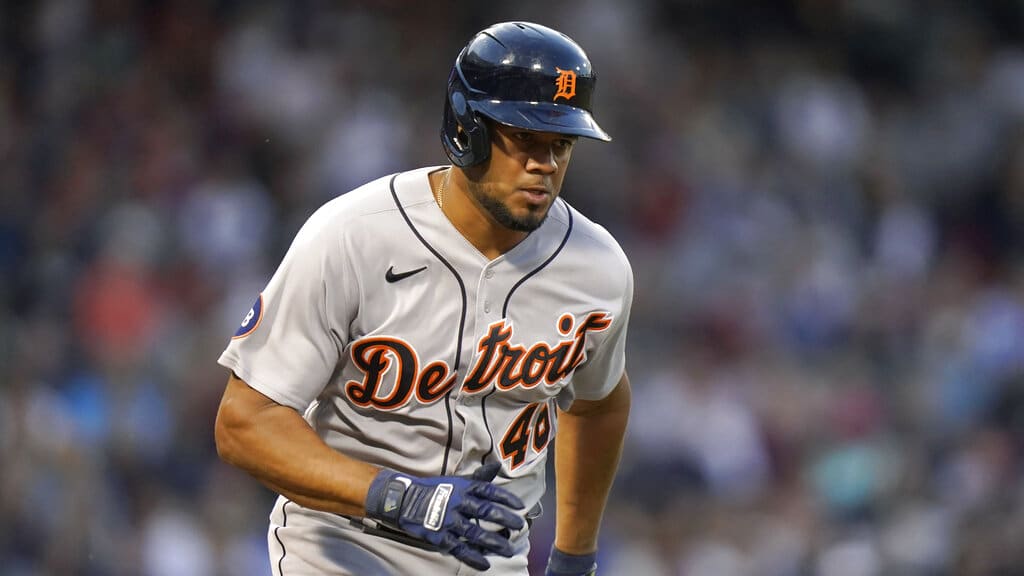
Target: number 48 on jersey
x,y
531,427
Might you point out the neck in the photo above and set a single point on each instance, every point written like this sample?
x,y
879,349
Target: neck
x,y
471,219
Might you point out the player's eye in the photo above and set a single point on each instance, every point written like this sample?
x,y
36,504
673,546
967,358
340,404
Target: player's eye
x,y
562,145
524,137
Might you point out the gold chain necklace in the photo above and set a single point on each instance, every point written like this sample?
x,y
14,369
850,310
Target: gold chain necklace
x,y
444,188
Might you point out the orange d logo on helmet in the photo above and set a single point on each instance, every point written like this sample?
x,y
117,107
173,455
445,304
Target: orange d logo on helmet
x,y
566,83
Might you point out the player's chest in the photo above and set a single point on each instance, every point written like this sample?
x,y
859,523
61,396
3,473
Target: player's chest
x,y
470,331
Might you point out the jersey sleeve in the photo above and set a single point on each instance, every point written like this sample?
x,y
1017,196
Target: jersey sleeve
x,y
600,374
290,342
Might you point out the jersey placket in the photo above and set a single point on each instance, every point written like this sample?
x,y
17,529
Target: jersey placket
x,y
487,310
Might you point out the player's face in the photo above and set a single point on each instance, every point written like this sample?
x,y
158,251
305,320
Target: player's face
x,y
523,177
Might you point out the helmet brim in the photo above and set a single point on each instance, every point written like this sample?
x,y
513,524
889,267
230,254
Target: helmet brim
x,y
542,117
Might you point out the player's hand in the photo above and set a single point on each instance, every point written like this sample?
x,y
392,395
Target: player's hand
x,y
441,510
563,564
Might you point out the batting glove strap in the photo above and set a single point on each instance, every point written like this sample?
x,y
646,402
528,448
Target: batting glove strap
x,y
386,495
564,564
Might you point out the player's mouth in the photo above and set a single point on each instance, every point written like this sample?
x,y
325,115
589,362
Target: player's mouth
x,y
536,194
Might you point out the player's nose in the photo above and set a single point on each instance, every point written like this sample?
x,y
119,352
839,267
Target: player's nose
x,y
542,160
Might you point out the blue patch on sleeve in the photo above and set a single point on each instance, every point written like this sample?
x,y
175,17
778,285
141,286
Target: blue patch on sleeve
x,y
252,319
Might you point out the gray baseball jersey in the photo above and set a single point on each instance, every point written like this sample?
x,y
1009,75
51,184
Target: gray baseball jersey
x,y
406,347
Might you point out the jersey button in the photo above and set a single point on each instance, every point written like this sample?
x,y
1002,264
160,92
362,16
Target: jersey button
x,y
489,274
487,307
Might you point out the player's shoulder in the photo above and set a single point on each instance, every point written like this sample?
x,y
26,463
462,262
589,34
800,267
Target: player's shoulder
x,y
587,233
592,251
373,198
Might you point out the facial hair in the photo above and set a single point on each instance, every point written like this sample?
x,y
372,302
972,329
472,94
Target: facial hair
x,y
502,215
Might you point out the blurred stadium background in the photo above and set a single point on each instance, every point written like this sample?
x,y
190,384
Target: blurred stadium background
x,y
823,202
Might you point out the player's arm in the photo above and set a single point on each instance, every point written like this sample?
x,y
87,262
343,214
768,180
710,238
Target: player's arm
x,y
587,450
278,447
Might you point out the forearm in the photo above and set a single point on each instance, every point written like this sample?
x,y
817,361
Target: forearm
x,y
276,445
311,477
588,446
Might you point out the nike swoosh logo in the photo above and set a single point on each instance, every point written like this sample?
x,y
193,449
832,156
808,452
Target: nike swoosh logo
x,y
392,277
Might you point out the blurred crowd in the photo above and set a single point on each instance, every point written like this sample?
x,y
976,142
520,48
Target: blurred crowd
x,y
823,202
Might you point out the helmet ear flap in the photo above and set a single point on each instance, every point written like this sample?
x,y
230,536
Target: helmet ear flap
x,y
463,133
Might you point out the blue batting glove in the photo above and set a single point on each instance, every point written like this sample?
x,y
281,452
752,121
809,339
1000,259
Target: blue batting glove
x,y
563,564
443,511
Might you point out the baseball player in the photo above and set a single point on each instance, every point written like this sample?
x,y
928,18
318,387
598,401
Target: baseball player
x,y
431,335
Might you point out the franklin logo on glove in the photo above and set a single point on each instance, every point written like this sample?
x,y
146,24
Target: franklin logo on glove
x,y
438,504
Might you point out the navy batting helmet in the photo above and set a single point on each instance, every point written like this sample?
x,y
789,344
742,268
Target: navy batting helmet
x,y
519,74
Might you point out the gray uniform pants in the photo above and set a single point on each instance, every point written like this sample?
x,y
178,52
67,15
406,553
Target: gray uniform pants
x,y
305,542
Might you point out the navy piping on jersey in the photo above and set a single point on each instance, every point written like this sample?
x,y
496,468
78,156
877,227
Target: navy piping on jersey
x,y
483,411
284,523
462,319
568,231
